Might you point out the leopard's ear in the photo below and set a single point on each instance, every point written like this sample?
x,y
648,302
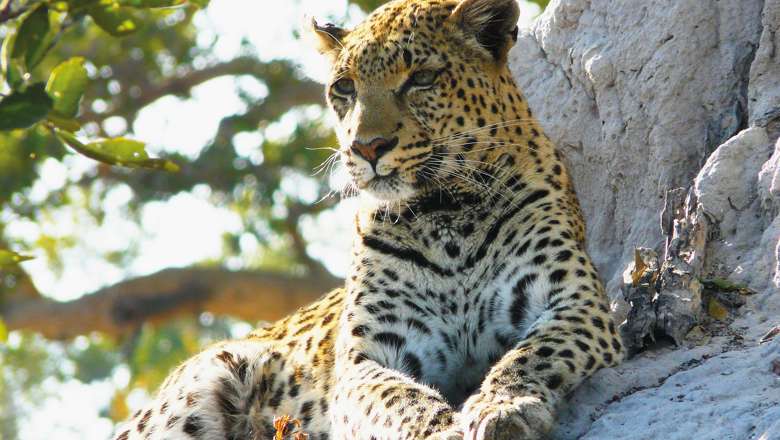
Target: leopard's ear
x,y
328,38
493,23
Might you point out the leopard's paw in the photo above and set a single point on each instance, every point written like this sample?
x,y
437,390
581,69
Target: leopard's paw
x,y
506,418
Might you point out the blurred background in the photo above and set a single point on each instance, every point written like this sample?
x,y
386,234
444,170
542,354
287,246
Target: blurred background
x,y
134,270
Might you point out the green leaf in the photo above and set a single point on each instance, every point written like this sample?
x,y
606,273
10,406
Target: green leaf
x,y
59,6
12,70
66,86
32,37
118,151
8,258
152,3
113,18
67,124
23,109
3,332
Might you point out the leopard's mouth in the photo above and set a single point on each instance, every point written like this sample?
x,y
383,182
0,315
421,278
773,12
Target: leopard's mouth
x,y
389,188
380,180
401,182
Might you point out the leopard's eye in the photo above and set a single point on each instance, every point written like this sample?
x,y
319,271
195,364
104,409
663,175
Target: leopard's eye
x,y
344,87
423,78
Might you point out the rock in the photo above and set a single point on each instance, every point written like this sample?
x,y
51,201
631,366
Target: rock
x,y
732,395
725,185
763,90
769,183
668,114
637,98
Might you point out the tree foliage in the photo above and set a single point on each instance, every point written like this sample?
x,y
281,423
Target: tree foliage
x,y
31,102
74,77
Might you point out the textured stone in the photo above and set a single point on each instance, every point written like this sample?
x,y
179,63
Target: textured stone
x,y
764,87
637,95
733,395
668,113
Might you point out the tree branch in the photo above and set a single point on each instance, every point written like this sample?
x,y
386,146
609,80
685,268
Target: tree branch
x,y
123,307
300,91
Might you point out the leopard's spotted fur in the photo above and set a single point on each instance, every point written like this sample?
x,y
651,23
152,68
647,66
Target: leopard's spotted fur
x,y
471,307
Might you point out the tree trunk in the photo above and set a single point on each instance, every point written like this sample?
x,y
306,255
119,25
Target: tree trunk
x,y
676,105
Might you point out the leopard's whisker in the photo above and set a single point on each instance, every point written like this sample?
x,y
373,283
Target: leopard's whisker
x,y
501,124
496,143
430,174
493,147
489,126
327,195
325,164
322,148
500,191
461,143
443,154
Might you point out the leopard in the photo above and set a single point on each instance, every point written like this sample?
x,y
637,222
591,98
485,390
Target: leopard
x,y
471,308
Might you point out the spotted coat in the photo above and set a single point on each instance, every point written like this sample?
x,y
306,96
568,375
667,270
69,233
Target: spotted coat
x,y
471,307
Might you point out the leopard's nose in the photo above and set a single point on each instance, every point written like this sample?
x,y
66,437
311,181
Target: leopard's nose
x,y
374,150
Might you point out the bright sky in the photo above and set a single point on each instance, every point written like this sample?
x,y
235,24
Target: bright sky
x,y
188,228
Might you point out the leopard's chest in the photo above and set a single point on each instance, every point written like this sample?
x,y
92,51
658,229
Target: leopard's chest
x,y
453,331
448,290
470,327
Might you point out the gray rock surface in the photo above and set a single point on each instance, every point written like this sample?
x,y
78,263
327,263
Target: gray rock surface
x,y
644,98
734,395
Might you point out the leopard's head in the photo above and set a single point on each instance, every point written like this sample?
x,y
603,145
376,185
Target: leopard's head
x,y
416,87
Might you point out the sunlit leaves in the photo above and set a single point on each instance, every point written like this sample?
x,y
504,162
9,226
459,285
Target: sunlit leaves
x,y
121,70
153,3
22,109
113,18
66,85
119,151
59,6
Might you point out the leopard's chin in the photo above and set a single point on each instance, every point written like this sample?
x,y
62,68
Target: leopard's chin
x,y
388,188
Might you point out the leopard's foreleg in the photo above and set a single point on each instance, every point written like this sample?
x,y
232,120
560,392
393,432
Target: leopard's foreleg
x,y
569,340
